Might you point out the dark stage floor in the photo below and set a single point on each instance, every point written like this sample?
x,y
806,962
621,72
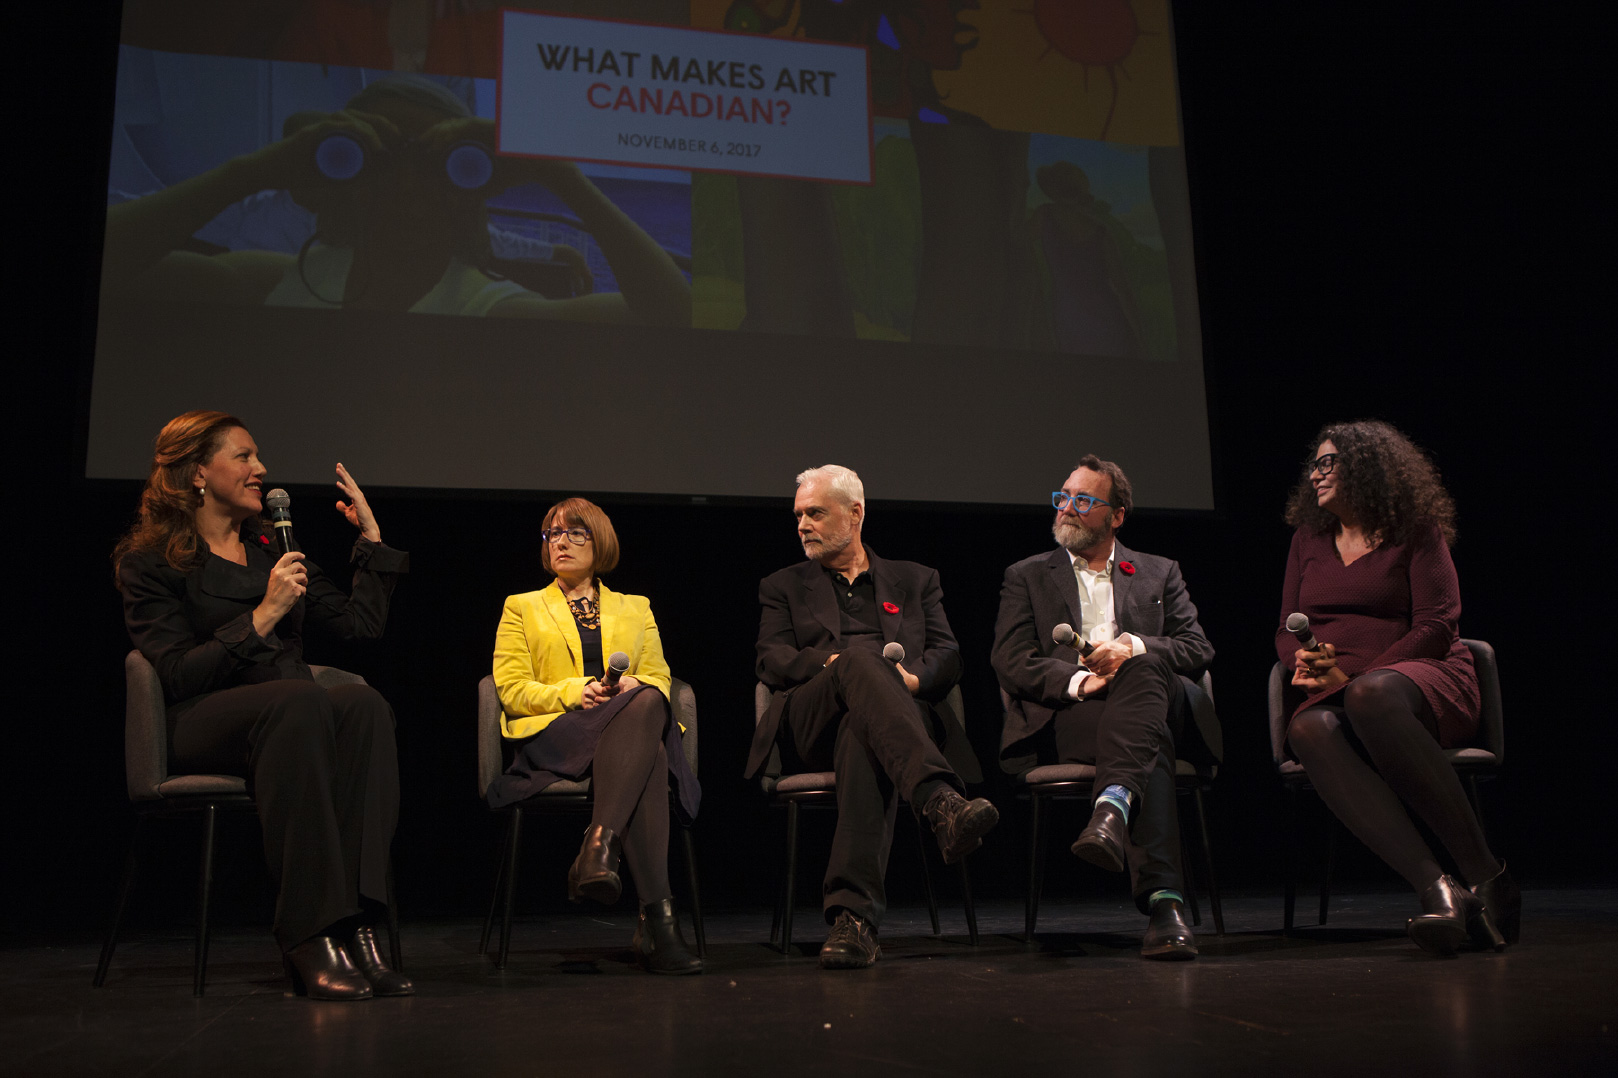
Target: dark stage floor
x,y
1353,997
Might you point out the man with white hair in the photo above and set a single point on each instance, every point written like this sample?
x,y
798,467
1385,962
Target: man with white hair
x,y
839,705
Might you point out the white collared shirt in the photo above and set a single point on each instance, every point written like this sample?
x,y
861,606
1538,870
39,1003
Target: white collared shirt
x,y
1098,611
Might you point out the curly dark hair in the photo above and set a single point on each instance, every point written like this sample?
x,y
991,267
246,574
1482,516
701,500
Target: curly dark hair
x,y
1385,478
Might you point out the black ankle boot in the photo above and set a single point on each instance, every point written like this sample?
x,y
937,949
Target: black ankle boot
x,y
383,980
320,969
594,874
1500,919
1446,907
658,942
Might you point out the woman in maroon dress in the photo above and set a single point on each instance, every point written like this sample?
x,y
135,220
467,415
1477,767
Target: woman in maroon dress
x,y
1391,685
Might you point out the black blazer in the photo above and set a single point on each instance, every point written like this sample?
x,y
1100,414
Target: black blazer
x,y
195,626
798,631
1151,603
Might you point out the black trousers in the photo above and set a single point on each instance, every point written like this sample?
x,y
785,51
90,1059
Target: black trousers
x,y
1130,736
857,718
322,767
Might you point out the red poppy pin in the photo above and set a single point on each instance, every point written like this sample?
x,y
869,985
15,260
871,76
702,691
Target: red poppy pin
x,y
1129,570
264,539
891,608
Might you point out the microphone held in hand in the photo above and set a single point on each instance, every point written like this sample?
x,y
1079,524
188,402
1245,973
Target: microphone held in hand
x,y
894,652
1298,626
1064,634
280,504
617,667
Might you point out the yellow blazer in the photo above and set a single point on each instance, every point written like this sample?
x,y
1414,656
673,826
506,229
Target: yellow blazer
x,y
539,660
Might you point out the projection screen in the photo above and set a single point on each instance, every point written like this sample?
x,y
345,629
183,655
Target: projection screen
x,y
656,247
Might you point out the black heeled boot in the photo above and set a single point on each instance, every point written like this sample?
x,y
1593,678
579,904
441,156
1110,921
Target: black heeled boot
x,y
1500,919
1446,907
658,942
594,874
383,980
320,969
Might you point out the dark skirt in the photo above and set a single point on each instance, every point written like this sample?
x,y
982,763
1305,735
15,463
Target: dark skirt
x,y
566,748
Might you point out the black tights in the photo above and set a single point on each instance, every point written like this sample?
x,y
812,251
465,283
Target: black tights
x,y
630,772
1386,713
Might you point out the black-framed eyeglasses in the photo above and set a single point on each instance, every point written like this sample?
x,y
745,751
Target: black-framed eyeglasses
x,y
1322,464
576,536
1082,503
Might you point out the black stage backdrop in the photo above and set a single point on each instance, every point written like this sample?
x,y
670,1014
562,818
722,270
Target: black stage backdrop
x,y
1377,236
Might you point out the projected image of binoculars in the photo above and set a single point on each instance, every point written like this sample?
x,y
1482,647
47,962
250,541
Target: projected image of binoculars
x,y
466,165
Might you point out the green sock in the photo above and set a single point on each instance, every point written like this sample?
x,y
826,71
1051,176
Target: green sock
x,y
1164,894
1118,797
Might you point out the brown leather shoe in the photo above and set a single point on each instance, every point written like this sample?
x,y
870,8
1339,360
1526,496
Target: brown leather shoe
x,y
851,944
1446,907
320,969
1104,839
1168,936
594,874
368,960
959,824
1500,919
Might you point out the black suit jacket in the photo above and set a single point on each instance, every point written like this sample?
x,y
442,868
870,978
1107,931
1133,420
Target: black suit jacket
x,y
195,626
798,631
1151,603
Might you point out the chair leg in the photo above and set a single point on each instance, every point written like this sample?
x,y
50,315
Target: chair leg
x,y
1472,795
791,888
1290,863
696,891
1190,879
513,845
395,947
125,885
204,893
1208,860
494,899
971,906
1327,864
927,879
1036,864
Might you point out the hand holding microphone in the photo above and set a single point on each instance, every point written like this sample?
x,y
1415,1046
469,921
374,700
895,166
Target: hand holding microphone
x,y
894,652
1316,663
617,667
609,684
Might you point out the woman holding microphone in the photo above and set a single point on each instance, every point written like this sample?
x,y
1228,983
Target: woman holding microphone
x,y
574,718
219,612
1392,685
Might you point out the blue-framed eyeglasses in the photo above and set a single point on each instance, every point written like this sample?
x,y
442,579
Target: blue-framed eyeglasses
x,y
1082,503
576,536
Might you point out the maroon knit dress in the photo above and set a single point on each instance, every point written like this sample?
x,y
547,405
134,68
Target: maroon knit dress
x,y
1394,608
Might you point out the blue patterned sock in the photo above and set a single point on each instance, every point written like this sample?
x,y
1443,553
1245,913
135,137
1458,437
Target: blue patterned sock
x,y
1120,797
1164,893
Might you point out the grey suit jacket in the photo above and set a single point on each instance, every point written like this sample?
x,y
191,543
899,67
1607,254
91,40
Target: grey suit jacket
x,y
1151,603
798,631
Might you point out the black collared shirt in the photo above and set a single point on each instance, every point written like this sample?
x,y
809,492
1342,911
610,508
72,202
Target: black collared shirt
x,y
858,623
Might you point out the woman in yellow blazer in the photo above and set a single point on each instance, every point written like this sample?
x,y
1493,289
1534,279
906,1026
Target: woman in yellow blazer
x,y
551,670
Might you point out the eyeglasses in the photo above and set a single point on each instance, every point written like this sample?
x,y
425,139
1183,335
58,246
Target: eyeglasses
x,y
1082,503
576,536
1322,464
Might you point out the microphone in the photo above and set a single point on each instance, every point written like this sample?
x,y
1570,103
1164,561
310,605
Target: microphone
x,y
281,516
617,667
1064,634
1298,626
894,652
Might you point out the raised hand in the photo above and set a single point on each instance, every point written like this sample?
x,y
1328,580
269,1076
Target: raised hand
x,y
357,509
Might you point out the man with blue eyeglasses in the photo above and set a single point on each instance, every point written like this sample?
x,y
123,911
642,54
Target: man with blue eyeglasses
x,y
1120,695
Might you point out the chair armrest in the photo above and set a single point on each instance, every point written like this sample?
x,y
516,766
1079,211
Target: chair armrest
x,y
146,733
489,758
683,701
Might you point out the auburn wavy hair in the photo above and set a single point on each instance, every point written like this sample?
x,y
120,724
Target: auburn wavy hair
x,y
1388,482
168,506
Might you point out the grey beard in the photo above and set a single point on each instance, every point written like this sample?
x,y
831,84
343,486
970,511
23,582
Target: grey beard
x,y
829,546
1076,537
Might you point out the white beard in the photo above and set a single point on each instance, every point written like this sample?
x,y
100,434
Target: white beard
x,y
829,546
